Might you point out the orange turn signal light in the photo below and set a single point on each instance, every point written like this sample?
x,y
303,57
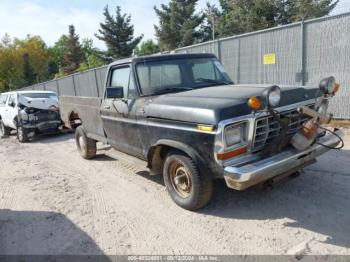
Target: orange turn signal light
x,y
231,154
336,88
254,103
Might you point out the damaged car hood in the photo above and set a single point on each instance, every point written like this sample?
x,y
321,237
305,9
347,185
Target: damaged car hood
x,y
213,104
39,103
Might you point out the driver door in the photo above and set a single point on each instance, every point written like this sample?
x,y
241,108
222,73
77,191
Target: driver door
x,y
11,111
118,112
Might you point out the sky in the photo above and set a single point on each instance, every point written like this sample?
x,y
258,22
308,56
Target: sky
x,y
50,19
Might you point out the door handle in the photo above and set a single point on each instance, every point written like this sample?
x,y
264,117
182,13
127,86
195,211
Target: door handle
x,y
107,107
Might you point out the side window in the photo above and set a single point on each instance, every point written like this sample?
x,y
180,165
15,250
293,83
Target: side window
x,y
122,78
12,99
3,99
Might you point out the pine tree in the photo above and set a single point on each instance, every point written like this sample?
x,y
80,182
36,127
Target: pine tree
x,y
296,10
212,21
179,25
118,34
29,76
74,55
147,48
241,16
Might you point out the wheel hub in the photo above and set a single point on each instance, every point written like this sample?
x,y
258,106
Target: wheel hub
x,y
181,181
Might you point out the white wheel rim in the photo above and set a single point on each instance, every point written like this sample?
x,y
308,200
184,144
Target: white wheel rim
x,y
81,143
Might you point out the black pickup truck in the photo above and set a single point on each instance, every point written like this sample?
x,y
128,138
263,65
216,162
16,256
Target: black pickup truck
x,y
183,115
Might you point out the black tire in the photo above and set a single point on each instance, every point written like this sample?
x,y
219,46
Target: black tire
x,y
86,146
4,130
195,190
22,134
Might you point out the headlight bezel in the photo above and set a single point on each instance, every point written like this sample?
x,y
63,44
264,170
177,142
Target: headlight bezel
x,y
327,85
268,95
242,127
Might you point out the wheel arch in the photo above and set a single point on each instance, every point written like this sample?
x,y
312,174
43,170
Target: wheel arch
x,y
74,119
157,153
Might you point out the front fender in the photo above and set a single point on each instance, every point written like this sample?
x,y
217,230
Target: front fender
x,y
191,152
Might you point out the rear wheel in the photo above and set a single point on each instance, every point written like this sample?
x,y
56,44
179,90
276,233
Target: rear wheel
x,y
22,134
4,130
86,146
189,188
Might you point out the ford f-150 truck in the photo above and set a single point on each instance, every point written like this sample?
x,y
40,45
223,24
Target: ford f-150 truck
x,y
183,115
29,112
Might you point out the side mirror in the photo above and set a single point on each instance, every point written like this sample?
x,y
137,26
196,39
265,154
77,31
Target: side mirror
x,y
115,92
13,104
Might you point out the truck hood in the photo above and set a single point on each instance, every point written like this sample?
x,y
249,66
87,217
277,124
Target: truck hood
x,y
213,104
38,103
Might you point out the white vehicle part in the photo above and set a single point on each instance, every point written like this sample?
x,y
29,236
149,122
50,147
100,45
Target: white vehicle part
x,y
11,112
39,103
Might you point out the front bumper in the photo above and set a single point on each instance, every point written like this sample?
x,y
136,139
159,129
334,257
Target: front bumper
x,y
42,126
288,161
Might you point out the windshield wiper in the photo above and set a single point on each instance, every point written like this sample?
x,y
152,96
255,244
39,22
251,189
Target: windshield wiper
x,y
208,80
172,89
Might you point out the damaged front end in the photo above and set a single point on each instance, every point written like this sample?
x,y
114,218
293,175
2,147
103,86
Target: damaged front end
x,y
38,121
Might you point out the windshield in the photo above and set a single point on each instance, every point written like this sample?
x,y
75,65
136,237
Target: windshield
x,y
157,77
40,95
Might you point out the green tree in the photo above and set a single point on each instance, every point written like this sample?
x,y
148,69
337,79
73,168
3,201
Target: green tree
x,y
10,64
58,50
5,41
147,48
118,34
241,16
38,56
29,76
211,22
22,62
93,61
92,56
74,54
179,25
296,10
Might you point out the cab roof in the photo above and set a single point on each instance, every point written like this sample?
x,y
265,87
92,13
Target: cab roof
x,y
161,57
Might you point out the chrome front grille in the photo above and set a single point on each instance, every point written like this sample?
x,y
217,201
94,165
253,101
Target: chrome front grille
x,y
267,128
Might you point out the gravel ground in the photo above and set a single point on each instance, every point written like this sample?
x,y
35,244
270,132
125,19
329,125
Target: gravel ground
x,y
54,202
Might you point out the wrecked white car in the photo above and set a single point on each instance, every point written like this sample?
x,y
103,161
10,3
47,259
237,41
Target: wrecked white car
x,y
30,113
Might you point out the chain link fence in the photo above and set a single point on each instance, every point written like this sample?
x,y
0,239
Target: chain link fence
x,y
297,54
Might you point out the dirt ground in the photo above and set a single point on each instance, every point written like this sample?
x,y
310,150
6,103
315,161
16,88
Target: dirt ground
x,y
54,202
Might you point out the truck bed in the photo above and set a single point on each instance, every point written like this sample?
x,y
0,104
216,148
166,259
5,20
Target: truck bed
x,y
87,109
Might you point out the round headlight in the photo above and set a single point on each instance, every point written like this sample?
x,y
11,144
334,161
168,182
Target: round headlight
x,y
273,96
327,85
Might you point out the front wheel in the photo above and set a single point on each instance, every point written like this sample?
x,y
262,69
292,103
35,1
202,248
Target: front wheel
x,y
22,134
4,130
86,146
188,188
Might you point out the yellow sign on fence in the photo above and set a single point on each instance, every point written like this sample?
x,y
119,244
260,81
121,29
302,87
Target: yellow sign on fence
x,y
270,59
